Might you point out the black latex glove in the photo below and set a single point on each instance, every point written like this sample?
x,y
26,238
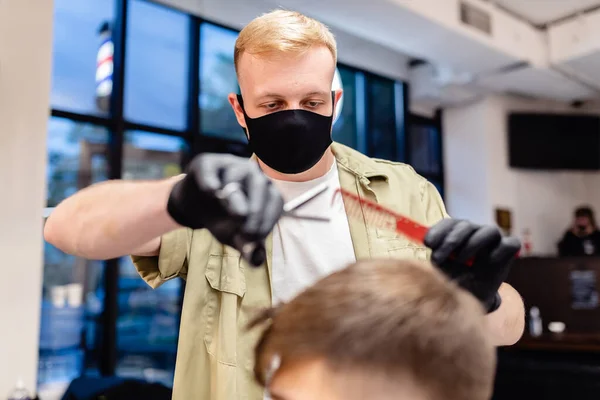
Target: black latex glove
x,y
243,216
456,242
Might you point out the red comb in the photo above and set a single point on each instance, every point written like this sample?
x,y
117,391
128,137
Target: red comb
x,y
378,216
381,217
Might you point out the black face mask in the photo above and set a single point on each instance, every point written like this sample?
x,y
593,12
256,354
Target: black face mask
x,y
289,141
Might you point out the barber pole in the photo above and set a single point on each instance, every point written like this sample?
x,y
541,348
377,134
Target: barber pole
x,y
337,84
104,68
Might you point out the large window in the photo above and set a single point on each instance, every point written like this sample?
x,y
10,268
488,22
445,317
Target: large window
x,y
148,321
425,148
152,156
345,129
137,89
156,65
381,128
73,290
217,80
77,157
76,41
100,318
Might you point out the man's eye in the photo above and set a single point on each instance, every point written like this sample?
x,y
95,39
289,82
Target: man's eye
x,y
314,104
271,106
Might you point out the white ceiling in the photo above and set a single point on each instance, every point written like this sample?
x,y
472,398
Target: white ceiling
x,y
416,35
585,68
395,25
542,12
542,83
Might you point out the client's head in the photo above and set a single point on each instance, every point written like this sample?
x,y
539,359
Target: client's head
x,y
377,330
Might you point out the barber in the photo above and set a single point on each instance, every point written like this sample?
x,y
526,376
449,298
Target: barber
x,y
186,227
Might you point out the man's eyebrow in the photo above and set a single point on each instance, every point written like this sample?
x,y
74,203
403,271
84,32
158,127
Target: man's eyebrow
x,y
274,95
319,93
270,94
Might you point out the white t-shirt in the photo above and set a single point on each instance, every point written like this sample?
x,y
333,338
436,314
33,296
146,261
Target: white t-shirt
x,y
305,251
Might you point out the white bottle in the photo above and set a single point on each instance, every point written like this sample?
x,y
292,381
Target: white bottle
x,y
535,322
19,393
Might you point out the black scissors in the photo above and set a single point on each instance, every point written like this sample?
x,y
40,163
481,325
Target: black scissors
x,y
252,251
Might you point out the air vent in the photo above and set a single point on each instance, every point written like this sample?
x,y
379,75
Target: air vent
x,y
476,18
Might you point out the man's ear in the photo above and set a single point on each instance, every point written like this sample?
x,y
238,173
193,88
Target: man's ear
x,y
237,109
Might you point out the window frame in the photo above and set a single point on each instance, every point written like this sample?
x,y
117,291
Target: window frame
x,y
206,142
435,121
117,125
401,111
358,103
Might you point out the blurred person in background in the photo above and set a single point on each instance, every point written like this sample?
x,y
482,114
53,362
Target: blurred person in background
x,y
379,329
194,226
583,239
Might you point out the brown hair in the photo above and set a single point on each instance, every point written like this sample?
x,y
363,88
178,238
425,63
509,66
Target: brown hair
x,y
386,317
283,31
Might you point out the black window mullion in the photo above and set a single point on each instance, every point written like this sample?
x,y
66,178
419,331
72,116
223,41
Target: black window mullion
x,y
134,126
402,108
108,353
83,118
439,125
194,89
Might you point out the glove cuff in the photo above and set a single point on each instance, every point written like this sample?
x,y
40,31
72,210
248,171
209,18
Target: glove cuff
x,y
495,304
183,197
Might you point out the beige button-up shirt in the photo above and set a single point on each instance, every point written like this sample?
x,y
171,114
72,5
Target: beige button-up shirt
x,y
215,352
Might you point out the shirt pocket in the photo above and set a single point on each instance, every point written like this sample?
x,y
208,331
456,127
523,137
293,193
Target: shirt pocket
x,y
413,252
388,234
225,275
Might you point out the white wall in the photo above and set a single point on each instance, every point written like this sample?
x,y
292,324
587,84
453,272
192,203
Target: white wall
x,y
352,49
465,178
25,52
541,201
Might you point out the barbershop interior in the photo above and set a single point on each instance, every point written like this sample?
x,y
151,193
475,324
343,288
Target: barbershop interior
x,y
495,102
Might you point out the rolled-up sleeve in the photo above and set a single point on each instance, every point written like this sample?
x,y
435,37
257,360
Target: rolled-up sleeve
x,y
171,262
435,210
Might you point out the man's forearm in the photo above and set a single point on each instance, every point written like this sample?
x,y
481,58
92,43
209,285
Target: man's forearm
x,y
111,219
507,323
